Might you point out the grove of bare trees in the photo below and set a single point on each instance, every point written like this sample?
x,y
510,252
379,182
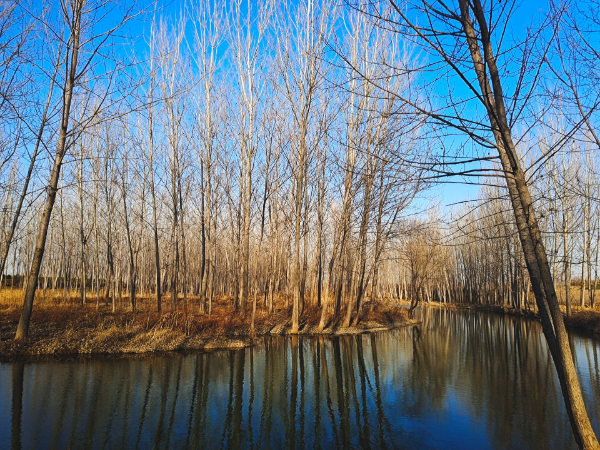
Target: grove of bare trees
x,y
227,152
275,153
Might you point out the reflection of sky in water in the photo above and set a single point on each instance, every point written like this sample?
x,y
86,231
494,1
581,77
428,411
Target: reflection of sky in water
x,y
467,380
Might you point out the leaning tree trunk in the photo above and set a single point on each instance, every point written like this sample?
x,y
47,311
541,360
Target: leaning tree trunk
x,y
52,189
528,229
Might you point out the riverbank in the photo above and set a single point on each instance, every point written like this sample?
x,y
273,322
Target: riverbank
x,y
585,319
67,330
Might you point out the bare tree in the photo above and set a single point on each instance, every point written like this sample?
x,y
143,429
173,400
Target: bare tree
x,y
464,40
301,54
209,22
76,30
248,27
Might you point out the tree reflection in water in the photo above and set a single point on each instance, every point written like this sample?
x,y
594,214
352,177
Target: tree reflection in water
x,y
460,380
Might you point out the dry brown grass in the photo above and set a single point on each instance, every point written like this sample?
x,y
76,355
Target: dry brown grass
x,y
64,327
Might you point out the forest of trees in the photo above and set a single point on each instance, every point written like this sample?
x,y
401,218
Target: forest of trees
x,y
242,162
253,150
241,152
283,151
474,256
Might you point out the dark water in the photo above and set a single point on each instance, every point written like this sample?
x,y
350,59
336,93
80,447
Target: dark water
x,y
464,380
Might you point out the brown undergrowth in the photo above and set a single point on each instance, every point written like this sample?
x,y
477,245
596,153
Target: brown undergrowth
x,y
60,327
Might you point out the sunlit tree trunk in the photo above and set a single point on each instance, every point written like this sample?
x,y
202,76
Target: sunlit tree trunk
x,y
529,233
74,23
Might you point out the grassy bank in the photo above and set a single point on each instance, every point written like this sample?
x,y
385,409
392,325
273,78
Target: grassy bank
x,y
61,327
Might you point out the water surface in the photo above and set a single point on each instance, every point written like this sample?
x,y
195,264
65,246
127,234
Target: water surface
x,y
461,380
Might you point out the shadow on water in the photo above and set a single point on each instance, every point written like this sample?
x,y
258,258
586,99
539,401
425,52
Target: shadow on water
x,y
460,380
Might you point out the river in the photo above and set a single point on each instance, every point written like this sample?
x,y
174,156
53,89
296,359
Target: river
x,y
462,379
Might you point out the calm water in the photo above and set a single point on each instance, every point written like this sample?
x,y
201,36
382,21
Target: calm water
x,y
464,380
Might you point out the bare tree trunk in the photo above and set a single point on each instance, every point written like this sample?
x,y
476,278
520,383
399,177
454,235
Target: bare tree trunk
x,y
593,296
82,236
567,263
245,236
153,195
584,254
174,268
529,233
40,246
299,185
132,273
203,269
183,250
322,161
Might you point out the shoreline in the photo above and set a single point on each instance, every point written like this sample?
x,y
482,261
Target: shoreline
x,y
59,332
65,332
